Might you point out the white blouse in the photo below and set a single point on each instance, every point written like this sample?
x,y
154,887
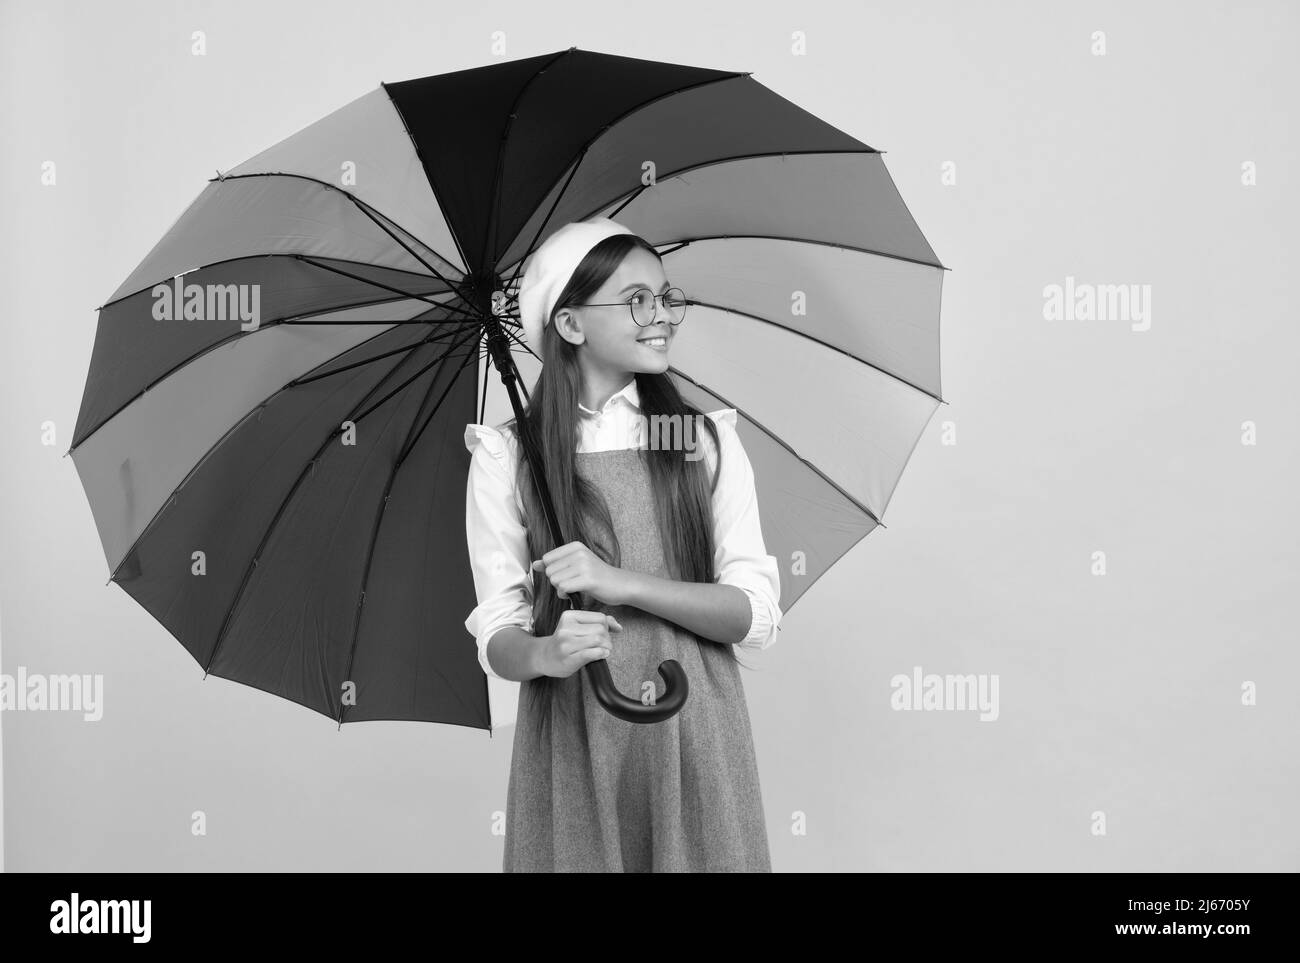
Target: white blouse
x,y
498,541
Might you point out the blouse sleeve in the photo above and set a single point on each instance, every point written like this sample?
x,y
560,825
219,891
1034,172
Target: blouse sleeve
x,y
740,557
497,541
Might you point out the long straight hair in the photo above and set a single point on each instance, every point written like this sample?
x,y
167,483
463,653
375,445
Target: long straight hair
x,y
682,492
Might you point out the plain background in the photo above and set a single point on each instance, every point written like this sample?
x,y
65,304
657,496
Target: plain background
x,y
1119,693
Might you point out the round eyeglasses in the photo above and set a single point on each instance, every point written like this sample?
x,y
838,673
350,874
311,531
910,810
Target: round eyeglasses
x,y
644,308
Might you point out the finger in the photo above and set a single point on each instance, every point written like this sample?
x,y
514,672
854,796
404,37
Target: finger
x,y
586,616
580,643
557,570
613,622
593,653
588,631
560,552
546,568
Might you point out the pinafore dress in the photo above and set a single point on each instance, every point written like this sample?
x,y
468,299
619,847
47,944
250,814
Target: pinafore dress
x,y
591,793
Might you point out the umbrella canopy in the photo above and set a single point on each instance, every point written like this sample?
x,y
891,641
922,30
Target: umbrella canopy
x,y
271,433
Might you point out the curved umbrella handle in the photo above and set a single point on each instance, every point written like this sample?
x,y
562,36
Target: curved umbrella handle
x,y
676,689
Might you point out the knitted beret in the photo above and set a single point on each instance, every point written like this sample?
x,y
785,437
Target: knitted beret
x,y
550,267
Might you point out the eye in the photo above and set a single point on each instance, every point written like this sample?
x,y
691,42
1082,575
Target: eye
x,y
642,298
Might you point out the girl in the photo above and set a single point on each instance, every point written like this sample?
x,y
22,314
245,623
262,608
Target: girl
x,y
666,549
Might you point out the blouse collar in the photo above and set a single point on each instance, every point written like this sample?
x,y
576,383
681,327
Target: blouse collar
x,y
627,393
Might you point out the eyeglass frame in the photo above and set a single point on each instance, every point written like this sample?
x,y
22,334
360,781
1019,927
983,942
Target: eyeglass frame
x,y
657,301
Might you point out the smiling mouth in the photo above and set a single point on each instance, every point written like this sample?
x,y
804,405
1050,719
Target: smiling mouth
x,y
660,341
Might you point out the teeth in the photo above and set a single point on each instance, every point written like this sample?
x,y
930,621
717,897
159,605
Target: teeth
x,y
655,341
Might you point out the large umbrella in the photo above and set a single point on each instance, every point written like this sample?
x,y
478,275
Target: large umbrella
x,y
282,487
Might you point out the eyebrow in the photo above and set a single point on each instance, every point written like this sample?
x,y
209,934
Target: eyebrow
x,y
641,284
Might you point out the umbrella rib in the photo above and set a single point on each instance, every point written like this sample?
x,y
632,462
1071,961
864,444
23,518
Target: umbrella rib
x,y
357,364
633,195
410,443
469,356
486,352
512,299
513,336
365,209
578,156
433,187
217,344
528,398
678,245
490,236
405,295
387,287
482,410
350,196
310,466
249,257
519,380
265,401
803,240
780,441
390,394
383,506
819,341
389,321
935,263
513,284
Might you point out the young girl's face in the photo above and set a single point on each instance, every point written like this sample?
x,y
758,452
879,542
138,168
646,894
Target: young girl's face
x,y
613,342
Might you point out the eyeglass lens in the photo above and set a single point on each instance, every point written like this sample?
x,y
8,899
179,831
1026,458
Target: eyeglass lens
x,y
643,306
